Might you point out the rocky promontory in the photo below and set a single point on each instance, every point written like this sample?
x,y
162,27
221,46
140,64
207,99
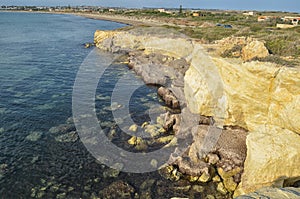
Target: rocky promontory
x,y
256,105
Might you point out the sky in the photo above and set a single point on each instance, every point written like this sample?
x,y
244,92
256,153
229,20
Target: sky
x,y
276,5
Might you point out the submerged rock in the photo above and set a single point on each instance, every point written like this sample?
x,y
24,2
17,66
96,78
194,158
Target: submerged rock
x,y
63,128
133,128
88,45
111,173
170,173
138,143
118,189
34,136
68,137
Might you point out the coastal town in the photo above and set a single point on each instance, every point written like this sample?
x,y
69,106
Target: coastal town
x,y
284,20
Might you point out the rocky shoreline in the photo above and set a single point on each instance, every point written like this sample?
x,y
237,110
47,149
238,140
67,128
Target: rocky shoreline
x,y
173,62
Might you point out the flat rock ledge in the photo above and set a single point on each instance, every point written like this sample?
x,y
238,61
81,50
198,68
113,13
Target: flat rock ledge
x,y
254,104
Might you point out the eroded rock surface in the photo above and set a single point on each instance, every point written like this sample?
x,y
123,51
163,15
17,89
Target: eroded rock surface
x,y
273,193
273,159
222,92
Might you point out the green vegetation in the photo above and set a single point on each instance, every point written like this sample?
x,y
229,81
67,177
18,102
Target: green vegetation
x,y
280,42
209,33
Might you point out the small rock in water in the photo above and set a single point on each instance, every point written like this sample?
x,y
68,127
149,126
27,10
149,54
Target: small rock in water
x,y
138,142
63,128
133,128
70,120
170,173
154,163
178,198
210,197
35,159
145,124
111,173
147,184
114,106
88,45
34,136
61,196
166,139
69,137
118,189
198,188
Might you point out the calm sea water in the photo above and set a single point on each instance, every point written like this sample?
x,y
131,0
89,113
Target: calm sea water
x,y
39,57
41,155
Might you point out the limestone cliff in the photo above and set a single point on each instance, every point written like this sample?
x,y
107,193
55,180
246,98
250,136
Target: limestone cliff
x,y
263,98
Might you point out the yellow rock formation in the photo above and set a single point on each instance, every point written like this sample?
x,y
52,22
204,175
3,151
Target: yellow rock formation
x,y
251,95
273,159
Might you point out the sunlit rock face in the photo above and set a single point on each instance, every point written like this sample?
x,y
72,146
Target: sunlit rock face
x,y
273,159
253,93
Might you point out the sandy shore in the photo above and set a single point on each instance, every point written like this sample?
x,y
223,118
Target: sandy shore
x,y
139,20
121,19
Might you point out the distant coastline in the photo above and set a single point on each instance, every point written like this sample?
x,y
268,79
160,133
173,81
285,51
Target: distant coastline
x,y
120,19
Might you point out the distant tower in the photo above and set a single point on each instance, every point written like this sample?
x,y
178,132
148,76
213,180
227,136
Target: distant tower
x,y
180,9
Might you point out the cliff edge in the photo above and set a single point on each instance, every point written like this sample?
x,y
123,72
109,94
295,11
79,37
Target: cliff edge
x,y
261,97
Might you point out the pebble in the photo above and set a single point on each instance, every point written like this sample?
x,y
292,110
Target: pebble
x,y
205,177
210,197
154,163
198,188
111,173
133,128
61,196
216,179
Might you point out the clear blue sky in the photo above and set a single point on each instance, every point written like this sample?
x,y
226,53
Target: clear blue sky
x,y
280,5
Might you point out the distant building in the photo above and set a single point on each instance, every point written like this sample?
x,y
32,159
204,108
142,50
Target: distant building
x,y
161,10
263,18
266,18
196,14
248,13
293,20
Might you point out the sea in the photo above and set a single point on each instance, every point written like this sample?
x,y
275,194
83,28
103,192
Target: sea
x,y
41,154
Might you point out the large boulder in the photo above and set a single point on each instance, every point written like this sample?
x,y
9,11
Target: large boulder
x,y
254,49
273,193
273,159
243,94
